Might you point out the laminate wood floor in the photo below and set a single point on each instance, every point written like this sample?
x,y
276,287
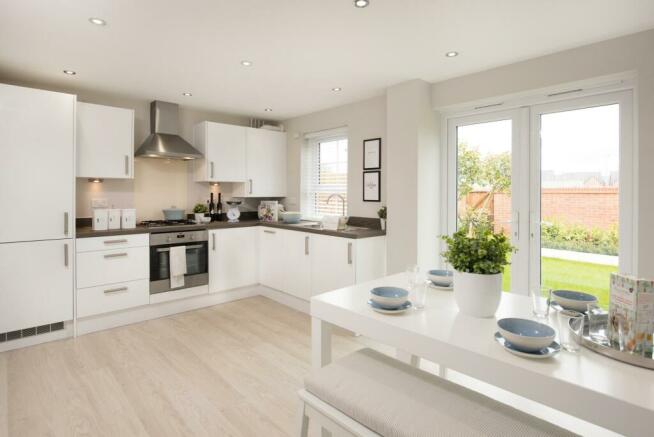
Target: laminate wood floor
x,y
227,370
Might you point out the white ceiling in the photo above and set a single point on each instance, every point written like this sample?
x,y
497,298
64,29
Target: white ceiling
x,y
158,49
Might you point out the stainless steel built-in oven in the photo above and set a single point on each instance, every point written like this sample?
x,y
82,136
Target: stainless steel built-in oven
x,y
197,262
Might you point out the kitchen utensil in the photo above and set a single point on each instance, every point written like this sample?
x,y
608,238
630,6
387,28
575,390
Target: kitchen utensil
x,y
173,213
291,217
571,328
540,301
547,352
100,219
389,297
114,219
128,218
573,300
440,278
526,335
380,309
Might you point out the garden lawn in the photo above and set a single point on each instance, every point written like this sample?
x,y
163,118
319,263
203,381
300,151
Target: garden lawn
x,y
573,275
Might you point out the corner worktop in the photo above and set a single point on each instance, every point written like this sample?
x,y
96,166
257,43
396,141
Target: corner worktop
x,y
368,232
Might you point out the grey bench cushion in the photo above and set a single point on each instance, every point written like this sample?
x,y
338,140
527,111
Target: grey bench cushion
x,y
397,400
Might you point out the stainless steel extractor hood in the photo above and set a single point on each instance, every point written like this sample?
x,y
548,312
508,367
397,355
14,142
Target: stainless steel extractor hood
x,y
164,140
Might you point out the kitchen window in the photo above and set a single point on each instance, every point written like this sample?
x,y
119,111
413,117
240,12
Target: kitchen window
x,y
324,172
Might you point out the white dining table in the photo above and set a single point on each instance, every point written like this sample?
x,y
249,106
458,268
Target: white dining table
x,y
586,385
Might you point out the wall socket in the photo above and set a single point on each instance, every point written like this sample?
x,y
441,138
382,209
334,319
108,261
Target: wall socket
x,y
99,203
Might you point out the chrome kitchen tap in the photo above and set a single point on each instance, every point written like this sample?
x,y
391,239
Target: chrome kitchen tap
x,y
340,197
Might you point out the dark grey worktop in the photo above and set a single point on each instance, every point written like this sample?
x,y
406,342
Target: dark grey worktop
x,y
87,231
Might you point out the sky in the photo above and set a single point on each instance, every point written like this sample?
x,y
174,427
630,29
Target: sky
x,y
583,140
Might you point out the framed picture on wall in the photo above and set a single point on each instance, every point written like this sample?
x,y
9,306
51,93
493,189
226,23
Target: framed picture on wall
x,y
372,186
372,154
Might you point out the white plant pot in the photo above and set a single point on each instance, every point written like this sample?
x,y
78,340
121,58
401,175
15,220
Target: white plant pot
x,y
477,295
383,224
198,217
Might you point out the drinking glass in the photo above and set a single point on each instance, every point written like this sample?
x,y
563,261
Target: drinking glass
x,y
571,328
419,295
413,276
597,323
540,301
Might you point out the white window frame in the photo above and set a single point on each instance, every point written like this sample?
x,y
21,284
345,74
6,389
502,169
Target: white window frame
x,y
619,88
312,140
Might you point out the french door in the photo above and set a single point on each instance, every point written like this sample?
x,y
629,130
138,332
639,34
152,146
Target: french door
x,y
557,179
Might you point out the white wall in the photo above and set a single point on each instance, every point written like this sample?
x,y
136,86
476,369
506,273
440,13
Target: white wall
x,y
365,119
629,53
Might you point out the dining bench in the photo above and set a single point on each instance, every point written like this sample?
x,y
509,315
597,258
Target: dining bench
x,y
370,394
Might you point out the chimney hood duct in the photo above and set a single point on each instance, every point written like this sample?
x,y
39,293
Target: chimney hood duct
x,y
164,140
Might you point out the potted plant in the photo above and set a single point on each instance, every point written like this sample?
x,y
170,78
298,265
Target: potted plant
x,y
478,256
200,210
382,217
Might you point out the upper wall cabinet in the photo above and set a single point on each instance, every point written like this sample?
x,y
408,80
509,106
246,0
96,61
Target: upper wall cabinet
x,y
105,141
265,164
223,147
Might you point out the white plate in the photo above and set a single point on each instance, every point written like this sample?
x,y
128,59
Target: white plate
x,y
546,352
439,287
376,307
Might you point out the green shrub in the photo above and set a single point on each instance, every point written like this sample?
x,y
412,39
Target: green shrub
x,y
477,249
556,235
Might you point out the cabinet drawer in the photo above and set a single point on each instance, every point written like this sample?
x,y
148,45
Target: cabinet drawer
x,y
112,242
114,297
112,266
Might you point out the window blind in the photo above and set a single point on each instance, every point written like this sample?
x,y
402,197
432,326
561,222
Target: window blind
x,y
324,172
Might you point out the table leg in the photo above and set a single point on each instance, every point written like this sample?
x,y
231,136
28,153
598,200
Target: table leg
x,y
408,358
321,343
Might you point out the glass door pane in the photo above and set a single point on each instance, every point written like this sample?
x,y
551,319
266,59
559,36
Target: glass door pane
x,y
579,192
484,174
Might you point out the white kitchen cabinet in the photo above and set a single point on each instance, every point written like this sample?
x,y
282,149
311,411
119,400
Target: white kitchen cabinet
x,y
232,258
37,171
296,255
105,141
265,164
114,297
36,283
332,263
223,147
271,257
112,266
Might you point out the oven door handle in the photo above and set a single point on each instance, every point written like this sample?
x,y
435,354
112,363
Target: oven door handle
x,y
167,249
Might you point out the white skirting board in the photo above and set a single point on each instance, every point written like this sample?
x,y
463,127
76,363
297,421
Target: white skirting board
x,y
285,299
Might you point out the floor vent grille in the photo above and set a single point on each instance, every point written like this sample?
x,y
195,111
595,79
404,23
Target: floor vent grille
x,y
28,332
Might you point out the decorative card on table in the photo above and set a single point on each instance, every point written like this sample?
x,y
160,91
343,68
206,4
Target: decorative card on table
x,y
631,310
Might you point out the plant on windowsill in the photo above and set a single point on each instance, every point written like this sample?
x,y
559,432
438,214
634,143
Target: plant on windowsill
x,y
200,210
382,217
478,256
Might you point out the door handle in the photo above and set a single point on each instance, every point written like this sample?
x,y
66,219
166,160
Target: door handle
x,y
66,255
213,242
115,255
516,225
66,223
250,186
115,290
211,169
306,245
124,240
349,253
127,165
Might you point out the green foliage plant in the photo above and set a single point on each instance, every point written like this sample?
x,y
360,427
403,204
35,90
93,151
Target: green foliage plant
x,y
475,248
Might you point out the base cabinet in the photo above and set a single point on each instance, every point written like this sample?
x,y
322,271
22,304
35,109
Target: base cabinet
x,y
232,258
332,263
271,258
297,249
36,284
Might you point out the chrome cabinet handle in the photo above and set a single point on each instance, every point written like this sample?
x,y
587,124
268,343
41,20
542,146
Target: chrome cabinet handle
x,y
115,255
211,169
115,290
65,223
66,255
269,232
124,240
195,246
250,185
349,253
306,245
127,165
213,242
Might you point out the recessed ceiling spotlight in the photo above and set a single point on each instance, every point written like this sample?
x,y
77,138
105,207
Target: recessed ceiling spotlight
x,y
70,72
361,3
246,63
268,109
452,54
187,94
97,21
337,89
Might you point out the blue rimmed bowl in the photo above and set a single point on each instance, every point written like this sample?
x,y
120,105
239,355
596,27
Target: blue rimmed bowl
x,y
526,335
573,300
389,297
442,278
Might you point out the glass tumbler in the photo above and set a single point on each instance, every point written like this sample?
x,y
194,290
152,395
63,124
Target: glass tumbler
x,y
597,323
571,328
419,295
540,301
413,276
